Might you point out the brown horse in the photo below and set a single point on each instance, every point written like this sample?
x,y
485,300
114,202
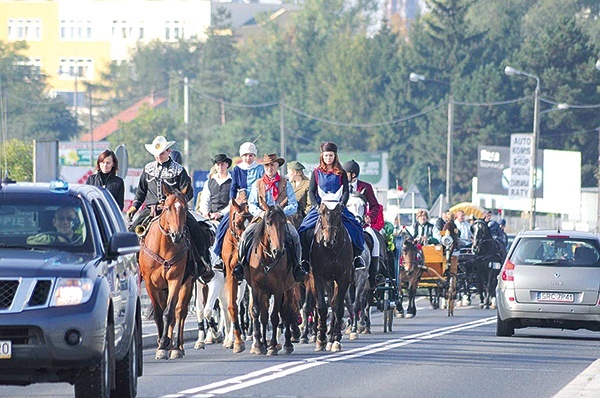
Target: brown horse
x,y
330,273
410,271
164,254
239,217
269,274
450,236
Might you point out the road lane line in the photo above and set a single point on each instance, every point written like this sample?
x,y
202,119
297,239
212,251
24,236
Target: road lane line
x,y
286,369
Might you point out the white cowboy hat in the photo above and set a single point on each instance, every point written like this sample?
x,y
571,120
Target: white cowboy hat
x,y
159,145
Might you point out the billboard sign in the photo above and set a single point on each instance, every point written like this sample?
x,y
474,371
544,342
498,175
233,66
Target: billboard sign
x,y
78,153
521,153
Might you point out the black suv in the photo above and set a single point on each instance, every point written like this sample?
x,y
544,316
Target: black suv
x,y
69,290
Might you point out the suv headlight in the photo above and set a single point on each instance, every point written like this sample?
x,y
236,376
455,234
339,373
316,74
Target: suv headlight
x,y
72,291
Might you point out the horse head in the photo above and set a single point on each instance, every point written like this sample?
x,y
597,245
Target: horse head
x,y
330,222
481,235
173,217
357,205
272,230
239,218
409,254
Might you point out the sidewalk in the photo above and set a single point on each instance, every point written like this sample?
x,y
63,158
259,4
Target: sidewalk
x,y
586,385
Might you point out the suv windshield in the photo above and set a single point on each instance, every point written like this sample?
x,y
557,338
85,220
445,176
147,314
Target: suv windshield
x,y
43,222
562,251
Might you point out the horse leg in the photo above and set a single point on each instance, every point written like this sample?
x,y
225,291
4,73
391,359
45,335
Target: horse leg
x,y
232,307
181,312
258,347
337,307
200,302
168,318
276,323
214,286
156,296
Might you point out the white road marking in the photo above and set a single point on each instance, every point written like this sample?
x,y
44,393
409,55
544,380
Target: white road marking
x,y
587,384
282,370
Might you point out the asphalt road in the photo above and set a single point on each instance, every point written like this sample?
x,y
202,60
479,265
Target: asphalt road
x,y
431,355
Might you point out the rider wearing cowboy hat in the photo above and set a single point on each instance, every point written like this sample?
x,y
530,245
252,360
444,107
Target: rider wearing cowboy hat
x,y
272,189
164,170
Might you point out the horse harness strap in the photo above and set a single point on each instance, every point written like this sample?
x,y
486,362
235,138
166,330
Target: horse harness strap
x,y
167,264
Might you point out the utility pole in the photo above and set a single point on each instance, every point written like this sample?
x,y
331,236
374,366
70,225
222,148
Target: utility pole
x,y
186,119
282,130
449,151
598,217
91,126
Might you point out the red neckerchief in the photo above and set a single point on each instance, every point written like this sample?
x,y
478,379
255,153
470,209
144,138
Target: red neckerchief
x,y
271,183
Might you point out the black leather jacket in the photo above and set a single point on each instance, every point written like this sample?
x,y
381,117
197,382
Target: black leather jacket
x,y
154,175
113,183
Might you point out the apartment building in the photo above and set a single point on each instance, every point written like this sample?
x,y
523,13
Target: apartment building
x,y
72,41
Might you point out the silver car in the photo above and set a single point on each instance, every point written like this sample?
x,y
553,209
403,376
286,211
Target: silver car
x,y
550,279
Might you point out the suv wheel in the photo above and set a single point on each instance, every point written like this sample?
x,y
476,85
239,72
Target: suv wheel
x,y
504,328
127,370
96,382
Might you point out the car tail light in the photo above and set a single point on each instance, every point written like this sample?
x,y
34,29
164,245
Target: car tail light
x,y
507,273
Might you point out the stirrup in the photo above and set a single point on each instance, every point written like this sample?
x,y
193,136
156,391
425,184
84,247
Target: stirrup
x,y
299,273
359,263
218,265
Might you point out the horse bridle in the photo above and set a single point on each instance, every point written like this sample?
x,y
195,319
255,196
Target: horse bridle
x,y
232,229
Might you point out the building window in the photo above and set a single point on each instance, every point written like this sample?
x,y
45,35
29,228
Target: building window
x,y
25,29
174,30
69,68
75,29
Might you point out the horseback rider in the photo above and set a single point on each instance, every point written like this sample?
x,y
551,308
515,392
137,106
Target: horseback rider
x,y
329,178
272,189
373,217
242,177
164,170
300,183
214,199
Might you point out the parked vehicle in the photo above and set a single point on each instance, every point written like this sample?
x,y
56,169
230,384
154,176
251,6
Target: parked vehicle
x,y
550,279
70,309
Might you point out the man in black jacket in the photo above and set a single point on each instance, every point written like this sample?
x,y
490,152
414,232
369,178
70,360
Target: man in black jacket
x,y
164,170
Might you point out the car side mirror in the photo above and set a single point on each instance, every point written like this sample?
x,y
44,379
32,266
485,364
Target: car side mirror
x,y
123,243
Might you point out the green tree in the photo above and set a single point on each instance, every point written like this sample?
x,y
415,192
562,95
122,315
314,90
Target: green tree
x,y
17,160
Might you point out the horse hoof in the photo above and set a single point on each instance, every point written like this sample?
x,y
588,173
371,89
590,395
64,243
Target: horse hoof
x,y
328,347
348,330
313,339
199,345
176,354
408,316
237,348
258,350
481,305
336,346
303,340
320,346
353,336
162,354
288,349
366,331
272,352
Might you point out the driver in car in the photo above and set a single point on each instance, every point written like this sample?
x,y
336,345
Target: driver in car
x,y
66,222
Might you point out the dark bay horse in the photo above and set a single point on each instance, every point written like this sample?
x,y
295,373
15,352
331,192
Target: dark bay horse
x,y
164,257
410,271
330,273
489,255
269,274
239,217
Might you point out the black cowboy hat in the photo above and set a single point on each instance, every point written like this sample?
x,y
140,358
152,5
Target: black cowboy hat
x,y
222,158
272,158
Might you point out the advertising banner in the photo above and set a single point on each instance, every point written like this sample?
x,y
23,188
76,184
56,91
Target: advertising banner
x,y
521,152
78,153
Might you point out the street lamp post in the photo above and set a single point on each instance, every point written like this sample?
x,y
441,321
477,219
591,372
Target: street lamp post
x,y
415,77
510,71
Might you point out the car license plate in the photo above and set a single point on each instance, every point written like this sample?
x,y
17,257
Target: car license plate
x,y
557,297
5,349
494,265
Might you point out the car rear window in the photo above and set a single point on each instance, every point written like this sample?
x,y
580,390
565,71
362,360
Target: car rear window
x,y
556,251
41,221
